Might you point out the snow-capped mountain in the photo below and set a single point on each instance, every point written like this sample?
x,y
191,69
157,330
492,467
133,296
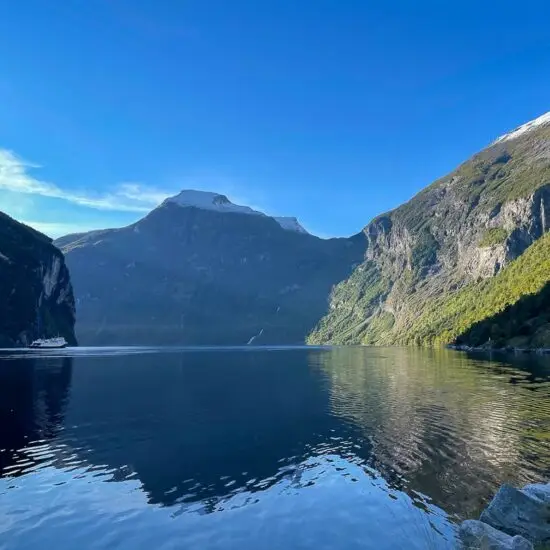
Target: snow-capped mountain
x,y
206,200
215,202
199,269
524,128
449,266
202,270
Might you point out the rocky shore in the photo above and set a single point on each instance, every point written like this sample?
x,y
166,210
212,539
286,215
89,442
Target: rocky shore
x,y
516,519
537,351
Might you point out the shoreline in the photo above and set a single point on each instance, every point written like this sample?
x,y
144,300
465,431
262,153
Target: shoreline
x,y
506,350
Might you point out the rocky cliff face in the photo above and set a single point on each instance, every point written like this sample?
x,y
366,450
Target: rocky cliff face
x,y
463,228
36,297
201,270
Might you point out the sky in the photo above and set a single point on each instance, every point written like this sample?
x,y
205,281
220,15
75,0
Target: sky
x,y
332,111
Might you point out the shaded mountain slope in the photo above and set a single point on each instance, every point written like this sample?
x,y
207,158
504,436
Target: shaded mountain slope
x,y
190,274
524,325
36,296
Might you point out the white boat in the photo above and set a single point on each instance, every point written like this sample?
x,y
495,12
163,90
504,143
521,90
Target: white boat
x,y
50,343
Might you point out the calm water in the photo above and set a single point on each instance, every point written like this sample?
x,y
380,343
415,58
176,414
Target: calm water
x,y
271,449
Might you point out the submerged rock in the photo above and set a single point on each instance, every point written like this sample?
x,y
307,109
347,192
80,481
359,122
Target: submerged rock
x,y
476,535
521,512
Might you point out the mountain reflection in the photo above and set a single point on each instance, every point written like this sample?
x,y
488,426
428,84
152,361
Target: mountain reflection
x,y
197,428
33,398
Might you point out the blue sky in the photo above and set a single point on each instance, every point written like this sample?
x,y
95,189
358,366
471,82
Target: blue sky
x,y
329,110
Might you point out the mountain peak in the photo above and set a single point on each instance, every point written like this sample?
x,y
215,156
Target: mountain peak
x,y
207,200
527,127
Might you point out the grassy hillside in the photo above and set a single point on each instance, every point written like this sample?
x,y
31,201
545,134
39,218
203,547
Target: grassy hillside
x,y
449,317
512,308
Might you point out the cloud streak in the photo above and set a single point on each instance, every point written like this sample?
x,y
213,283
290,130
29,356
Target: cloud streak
x,y
126,197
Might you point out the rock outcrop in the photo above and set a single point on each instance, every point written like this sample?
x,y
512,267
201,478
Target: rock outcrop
x,y
476,535
523,512
515,519
36,296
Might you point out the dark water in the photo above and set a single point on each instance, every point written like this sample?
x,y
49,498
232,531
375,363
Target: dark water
x,y
261,449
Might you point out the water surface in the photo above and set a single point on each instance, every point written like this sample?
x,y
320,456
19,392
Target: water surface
x,y
261,448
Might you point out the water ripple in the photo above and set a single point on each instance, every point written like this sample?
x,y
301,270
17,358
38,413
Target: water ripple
x,y
299,448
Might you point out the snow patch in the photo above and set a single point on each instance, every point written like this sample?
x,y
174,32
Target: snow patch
x,y
540,121
206,200
210,201
290,224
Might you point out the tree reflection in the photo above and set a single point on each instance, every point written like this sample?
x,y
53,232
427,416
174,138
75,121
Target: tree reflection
x,y
197,428
450,426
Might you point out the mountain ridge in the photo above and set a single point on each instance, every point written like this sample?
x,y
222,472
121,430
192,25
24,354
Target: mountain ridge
x,y
203,276
528,126
464,228
208,200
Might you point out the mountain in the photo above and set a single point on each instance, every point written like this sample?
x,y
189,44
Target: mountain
x,y
36,296
452,257
201,270
463,261
510,309
518,300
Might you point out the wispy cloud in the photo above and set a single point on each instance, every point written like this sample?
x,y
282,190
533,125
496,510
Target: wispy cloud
x,y
126,197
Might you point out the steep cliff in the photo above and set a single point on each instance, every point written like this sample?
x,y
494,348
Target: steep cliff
x,y
201,270
36,296
462,229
